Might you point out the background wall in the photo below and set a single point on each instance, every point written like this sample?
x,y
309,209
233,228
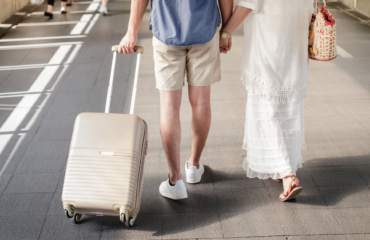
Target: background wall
x,y
362,6
9,7
349,3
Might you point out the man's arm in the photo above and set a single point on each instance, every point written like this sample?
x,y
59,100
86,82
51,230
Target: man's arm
x,y
128,42
226,7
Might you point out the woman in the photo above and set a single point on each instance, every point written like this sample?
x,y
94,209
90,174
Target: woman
x,y
275,74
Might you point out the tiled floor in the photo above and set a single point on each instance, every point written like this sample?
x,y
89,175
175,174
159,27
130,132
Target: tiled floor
x,y
47,82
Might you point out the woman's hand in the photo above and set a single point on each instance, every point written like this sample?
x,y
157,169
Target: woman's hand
x,y
225,45
127,44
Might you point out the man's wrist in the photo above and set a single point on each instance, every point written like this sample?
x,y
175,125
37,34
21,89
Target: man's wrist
x,y
132,31
224,34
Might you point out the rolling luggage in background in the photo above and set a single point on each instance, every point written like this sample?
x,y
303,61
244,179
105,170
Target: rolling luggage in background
x,y
104,173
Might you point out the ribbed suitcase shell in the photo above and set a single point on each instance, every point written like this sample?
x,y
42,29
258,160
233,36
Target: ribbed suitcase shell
x,y
105,164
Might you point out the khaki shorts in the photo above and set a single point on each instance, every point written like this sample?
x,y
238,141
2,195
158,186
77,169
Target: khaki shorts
x,y
200,64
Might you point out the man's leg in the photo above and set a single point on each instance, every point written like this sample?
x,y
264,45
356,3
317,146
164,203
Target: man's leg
x,y
201,121
170,102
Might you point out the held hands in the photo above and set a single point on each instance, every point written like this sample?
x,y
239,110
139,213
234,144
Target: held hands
x,y
127,44
225,45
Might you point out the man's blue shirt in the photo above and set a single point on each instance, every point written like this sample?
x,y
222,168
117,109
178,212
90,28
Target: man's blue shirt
x,y
184,22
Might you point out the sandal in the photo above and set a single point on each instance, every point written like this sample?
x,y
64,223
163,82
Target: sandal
x,y
293,191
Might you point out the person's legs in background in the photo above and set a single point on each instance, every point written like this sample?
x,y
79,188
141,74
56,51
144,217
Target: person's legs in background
x,y
103,7
63,10
49,10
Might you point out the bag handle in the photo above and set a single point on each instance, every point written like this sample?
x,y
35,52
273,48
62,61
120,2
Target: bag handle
x,y
139,50
317,5
136,49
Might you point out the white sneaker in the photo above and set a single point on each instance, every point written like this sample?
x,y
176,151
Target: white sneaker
x,y
174,192
103,10
193,174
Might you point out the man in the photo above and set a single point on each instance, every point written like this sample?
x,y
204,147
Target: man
x,y
186,43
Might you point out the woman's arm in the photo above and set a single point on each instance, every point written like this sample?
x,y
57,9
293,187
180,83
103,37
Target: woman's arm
x,y
226,8
236,19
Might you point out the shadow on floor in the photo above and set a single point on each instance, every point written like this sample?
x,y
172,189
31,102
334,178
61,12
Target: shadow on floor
x,y
189,214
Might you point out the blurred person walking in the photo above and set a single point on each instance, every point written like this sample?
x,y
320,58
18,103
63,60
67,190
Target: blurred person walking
x,y
186,43
49,11
103,7
275,74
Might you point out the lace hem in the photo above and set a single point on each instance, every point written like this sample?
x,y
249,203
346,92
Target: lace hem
x,y
258,87
281,173
279,143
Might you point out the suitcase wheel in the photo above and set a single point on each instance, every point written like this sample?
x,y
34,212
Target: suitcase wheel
x,y
128,222
76,218
69,210
67,214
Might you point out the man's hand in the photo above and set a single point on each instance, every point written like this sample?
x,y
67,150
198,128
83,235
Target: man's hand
x,y
225,45
127,44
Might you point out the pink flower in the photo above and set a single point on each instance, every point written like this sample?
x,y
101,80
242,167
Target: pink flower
x,y
329,20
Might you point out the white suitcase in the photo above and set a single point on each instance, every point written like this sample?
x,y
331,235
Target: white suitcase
x,y
104,173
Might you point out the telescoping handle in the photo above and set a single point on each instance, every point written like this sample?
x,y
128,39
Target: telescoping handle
x,y
139,50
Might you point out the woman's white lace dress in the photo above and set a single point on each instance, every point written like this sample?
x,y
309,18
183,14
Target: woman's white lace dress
x,y
275,74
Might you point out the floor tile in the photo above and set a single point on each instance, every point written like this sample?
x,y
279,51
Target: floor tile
x,y
243,199
147,226
254,223
336,176
346,197
309,221
21,227
26,204
191,225
33,183
88,228
353,220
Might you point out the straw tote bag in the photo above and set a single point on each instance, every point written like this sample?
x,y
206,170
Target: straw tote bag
x,y
322,45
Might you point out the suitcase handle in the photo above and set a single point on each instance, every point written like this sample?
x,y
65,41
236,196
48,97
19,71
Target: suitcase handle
x,y
139,50
136,49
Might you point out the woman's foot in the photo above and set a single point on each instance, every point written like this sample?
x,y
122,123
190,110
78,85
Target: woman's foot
x,y
48,14
69,4
291,188
63,10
